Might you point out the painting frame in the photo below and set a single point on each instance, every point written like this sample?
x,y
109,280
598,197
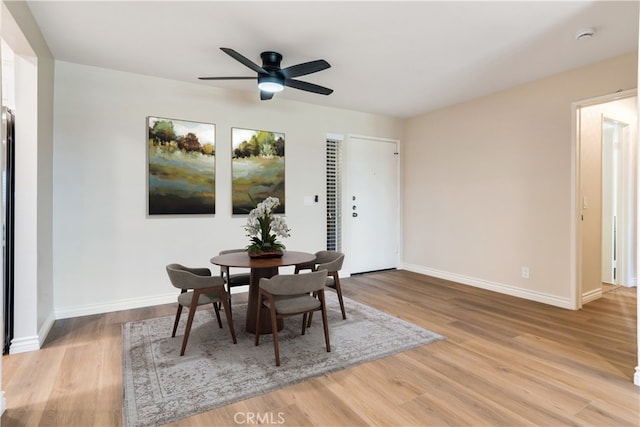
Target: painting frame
x,y
257,168
181,167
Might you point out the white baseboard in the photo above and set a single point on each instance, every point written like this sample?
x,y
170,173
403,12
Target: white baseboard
x,y
35,342
24,344
125,304
493,286
591,295
636,377
46,328
239,289
32,343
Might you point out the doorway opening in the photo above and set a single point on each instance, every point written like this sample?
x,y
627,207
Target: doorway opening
x,y
606,201
618,175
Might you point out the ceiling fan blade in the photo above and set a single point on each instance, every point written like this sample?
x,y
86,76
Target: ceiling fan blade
x,y
264,95
235,55
227,78
309,87
305,68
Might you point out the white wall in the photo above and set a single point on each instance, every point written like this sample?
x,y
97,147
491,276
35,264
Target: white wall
x,y
488,185
107,253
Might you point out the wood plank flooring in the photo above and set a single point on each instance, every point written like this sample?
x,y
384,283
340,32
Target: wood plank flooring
x,y
505,362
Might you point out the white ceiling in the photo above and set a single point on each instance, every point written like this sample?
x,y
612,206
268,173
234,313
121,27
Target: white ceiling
x,y
388,57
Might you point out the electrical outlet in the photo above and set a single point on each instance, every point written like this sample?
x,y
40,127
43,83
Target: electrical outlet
x,y
525,272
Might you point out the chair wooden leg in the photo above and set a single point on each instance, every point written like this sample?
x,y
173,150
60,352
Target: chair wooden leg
x,y
227,311
192,313
216,308
336,280
310,315
325,323
258,319
175,324
304,322
229,298
274,328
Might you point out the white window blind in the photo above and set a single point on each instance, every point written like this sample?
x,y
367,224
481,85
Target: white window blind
x,y
334,196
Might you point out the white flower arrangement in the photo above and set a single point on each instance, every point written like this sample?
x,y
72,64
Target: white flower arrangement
x,y
264,227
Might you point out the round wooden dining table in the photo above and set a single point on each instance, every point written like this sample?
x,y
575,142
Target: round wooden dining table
x,y
260,267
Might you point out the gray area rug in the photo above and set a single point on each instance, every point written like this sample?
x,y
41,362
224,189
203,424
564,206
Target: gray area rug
x,y
161,387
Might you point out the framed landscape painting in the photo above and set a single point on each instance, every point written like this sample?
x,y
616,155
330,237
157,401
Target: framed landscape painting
x,y
257,168
181,167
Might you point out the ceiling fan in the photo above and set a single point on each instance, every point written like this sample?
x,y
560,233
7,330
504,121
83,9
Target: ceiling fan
x,y
272,78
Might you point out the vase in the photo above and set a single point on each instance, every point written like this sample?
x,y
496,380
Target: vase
x,y
265,254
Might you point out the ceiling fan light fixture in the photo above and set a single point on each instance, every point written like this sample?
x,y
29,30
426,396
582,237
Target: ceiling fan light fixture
x,y
270,84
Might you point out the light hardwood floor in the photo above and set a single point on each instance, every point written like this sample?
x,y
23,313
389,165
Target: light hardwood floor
x,y
505,362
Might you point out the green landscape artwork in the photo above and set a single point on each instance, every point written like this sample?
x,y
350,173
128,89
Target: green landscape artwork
x,y
181,167
257,168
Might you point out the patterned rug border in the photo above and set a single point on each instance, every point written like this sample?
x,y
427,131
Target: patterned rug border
x,y
129,407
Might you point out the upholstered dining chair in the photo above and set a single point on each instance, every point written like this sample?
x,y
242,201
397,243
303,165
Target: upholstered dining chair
x,y
332,262
198,287
237,279
288,295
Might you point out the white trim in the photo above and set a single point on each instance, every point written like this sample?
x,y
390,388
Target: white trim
x,y
125,304
591,296
376,138
575,257
335,136
636,377
239,289
602,99
33,343
575,247
493,286
24,344
46,328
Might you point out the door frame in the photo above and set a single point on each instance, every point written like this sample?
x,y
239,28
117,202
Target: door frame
x,y
346,202
575,255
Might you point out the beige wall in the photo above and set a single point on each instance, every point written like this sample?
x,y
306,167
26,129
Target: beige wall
x,y
488,184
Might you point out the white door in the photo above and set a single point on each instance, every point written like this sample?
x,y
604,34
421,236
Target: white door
x,y
373,206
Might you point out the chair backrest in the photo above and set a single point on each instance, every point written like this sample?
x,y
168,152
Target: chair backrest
x,y
329,260
295,284
225,269
230,251
191,278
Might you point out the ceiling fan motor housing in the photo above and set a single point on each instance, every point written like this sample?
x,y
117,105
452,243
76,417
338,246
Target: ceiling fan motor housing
x,y
274,81
271,60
